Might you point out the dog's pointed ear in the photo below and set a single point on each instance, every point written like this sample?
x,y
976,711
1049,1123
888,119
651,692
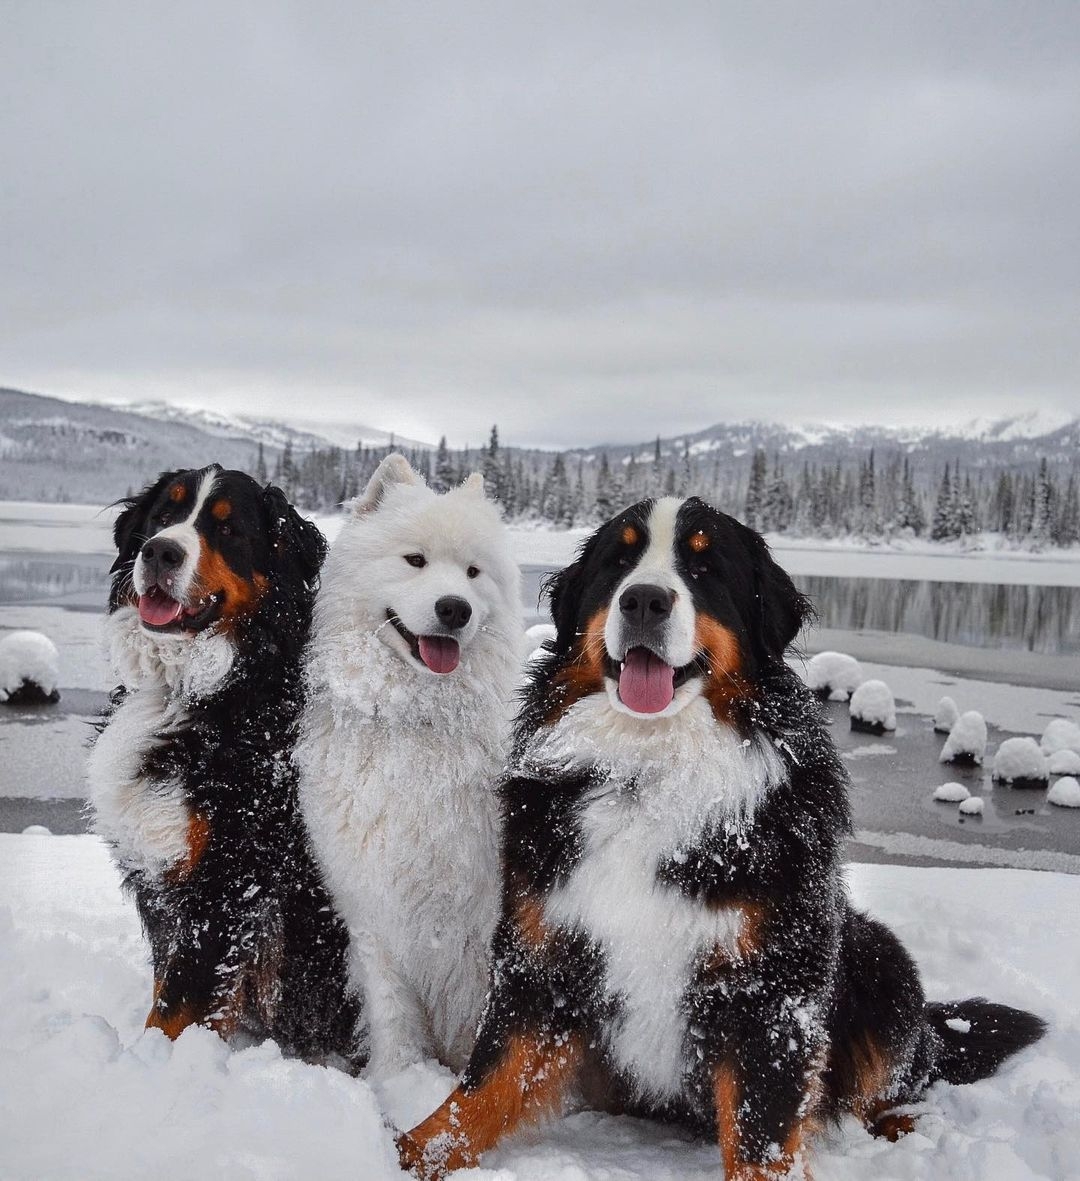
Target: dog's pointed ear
x,y
781,610
394,469
297,544
474,484
129,526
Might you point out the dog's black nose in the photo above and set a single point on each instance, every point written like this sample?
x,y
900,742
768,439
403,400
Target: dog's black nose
x,y
645,603
162,555
453,612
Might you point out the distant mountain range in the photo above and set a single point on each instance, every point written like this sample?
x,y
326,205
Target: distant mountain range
x,y
52,449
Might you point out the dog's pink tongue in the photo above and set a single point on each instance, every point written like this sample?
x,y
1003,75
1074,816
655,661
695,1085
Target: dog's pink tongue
x,y
157,609
439,653
646,683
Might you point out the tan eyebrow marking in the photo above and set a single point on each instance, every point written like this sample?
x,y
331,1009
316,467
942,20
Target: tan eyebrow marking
x,y
699,542
222,510
630,535
178,493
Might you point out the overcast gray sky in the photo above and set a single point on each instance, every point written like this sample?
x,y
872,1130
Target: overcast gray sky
x,y
586,221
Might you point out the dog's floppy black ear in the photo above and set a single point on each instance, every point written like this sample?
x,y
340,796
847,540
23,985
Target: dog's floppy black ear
x,y
781,609
298,545
564,590
129,526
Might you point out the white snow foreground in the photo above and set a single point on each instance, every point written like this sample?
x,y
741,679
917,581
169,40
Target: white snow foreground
x,y
84,1092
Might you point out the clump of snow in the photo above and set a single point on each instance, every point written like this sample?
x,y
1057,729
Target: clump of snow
x,y
958,1024
834,675
967,739
972,806
29,669
1064,762
1065,793
946,715
1019,761
873,708
1060,734
36,830
539,633
951,793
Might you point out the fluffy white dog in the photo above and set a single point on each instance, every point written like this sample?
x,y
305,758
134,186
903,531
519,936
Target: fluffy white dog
x,y
415,656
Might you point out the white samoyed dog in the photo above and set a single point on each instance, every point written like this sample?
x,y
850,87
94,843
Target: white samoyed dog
x,y
413,664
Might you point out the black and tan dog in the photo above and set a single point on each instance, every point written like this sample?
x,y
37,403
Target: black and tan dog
x,y
191,779
676,939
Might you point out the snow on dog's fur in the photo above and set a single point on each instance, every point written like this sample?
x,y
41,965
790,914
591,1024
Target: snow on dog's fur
x,y
414,660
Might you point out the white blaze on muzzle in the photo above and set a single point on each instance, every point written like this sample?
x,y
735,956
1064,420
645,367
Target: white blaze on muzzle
x,y
648,662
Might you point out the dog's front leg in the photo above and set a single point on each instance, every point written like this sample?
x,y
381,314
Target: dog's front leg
x,y
399,1031
527,1054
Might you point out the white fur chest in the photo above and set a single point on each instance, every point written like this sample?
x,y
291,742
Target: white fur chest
x,y
652,936
146,820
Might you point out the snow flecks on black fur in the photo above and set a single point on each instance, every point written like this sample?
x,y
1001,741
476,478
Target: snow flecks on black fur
x,y
784,1005
242,932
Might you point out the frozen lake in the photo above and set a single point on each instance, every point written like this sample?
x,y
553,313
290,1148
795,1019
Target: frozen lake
x,y
1006,649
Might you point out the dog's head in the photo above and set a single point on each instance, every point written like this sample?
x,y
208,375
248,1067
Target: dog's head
x,y
428,572
204,547
670,600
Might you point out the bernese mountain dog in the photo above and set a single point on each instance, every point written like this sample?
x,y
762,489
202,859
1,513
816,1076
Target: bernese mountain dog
x,y
191,779
676,939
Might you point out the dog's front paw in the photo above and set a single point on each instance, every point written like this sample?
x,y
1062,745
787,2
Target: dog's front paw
x,y
431,1160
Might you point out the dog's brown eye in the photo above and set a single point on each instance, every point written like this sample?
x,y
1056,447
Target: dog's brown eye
x,y
225,529
417,560
473,572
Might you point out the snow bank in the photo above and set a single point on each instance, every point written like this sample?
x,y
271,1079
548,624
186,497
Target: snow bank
x,y
85,1092
539,633
834,675
967,739
1064,762
1060,734
946,715
873,708
29,669
972,806
1019,761
951,793
1065,793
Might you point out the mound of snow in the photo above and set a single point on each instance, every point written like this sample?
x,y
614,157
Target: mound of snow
x,y
1060,734
946,715
1020,762
834,675
972,806
539,633
29,669
872,708
1064,762
967,739
1065,793
951,793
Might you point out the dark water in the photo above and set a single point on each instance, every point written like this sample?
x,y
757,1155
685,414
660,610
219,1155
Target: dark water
x,y
978,615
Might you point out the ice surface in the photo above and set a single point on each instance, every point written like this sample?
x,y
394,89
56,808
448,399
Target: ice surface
x,y
967,739
873,703
1019,758
1065,792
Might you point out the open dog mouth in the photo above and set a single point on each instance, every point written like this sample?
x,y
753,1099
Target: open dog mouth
x,y
159,611
647,684
438,653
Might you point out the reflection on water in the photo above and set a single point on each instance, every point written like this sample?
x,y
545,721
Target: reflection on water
x,y
24,580
983,615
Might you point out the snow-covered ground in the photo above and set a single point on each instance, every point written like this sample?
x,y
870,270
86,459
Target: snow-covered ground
x,y
85,1093
32,527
